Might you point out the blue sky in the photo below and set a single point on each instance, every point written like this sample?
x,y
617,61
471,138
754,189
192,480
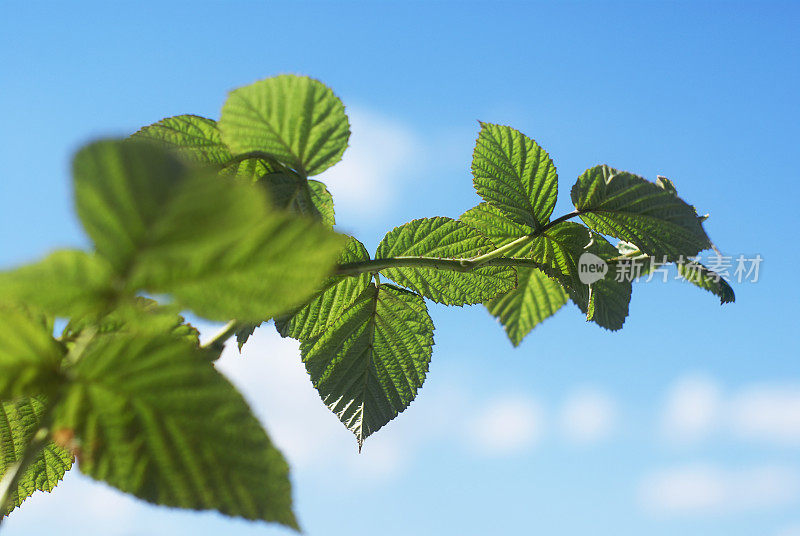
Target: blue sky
x,y
687,421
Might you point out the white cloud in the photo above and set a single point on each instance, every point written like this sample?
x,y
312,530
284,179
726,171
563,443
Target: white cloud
x,y
767,413
505,425
588,416
381,156
692,409
706,489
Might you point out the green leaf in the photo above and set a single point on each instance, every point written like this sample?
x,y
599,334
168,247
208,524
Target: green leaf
x,y
140,314
536,298
707,279
558,252
497,228
291,192
242,260
609,299
691,271
121,192
296,119
300,196
335,297
323,201
19,421
29,356
444,238
628,207
217,246
666,184
370,363
515,175
193,137
249,169
244,333
66,283
152,417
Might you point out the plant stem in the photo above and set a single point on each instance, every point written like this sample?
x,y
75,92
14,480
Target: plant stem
x,y
217,342
493,258
373,266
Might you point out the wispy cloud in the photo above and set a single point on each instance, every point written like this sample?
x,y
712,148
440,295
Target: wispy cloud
x,y
704,489
692,409
767,413
696,408
589,415
507,424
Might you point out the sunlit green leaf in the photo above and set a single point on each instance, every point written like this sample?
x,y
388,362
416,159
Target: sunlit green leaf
x,y
691,271
335,297
249,169
707,279
558,253
323,201
536,298
192,136
296,119
19,421
444,238
491,222
628,207
244,333
369,364
514,174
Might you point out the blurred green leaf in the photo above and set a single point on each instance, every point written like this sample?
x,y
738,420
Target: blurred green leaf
x,y
216,246
153,418
66,283
140,315
29,356
300,196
